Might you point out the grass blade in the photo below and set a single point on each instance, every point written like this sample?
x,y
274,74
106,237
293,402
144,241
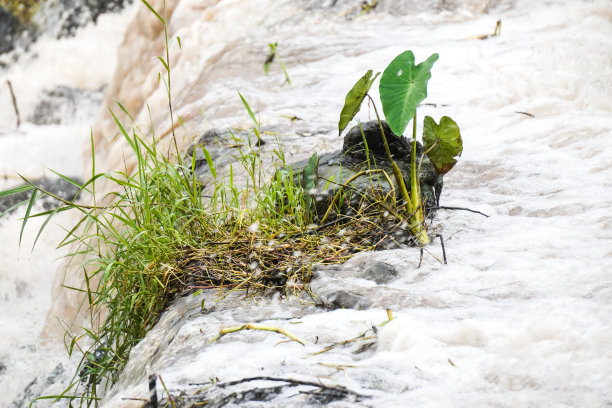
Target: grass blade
x,y
146,3
17,190
209,161
248,108
27,214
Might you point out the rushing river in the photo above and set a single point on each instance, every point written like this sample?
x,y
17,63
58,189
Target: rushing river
x,y
522,313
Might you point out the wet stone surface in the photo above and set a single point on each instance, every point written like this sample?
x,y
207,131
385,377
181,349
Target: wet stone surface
x,y
380,272
63,103
9,29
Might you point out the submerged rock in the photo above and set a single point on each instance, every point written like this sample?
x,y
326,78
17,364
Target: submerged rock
x,y
380,272
64,103
342,299
59,187
19,28
62,18
354,162
9,30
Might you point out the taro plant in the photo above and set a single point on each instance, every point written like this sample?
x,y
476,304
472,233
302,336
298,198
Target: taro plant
x,y
403,86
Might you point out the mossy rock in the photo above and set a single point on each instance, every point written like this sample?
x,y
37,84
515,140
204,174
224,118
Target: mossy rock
x,y
336,168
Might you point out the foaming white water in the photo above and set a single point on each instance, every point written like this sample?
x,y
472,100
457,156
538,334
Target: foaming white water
x,y
33,363
26,281
520,316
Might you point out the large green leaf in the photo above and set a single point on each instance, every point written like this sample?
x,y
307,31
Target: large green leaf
x,y
354,97
442,142
403,86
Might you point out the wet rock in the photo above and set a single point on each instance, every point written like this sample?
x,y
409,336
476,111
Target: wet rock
x,y
64,103
338,167
352,9
58,186
62,18
342,299
9,30
38,386
217,144
380,272
222,147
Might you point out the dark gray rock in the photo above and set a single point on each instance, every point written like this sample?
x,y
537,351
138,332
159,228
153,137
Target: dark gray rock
x,y
62,18
53,18
338,167
380,272
223,150
64,103
58,186
9,30
38,386
2,368
342,299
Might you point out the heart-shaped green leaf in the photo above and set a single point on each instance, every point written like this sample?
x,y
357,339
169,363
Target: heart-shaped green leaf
x,y
442,142
354,97
403,86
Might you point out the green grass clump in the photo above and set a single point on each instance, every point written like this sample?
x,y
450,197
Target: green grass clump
x,y
160,238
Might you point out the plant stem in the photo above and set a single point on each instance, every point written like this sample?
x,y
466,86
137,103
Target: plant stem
x,y
417,224
254,326
178,154
413,200
396,171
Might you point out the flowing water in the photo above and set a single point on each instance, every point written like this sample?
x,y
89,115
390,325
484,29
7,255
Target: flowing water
x,y
522,313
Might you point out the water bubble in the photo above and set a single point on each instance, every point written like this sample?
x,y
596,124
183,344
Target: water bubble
x,y
254,227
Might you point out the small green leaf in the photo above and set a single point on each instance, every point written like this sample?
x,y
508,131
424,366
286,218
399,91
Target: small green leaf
x,y
270,57
146,3
402,87
443,142
248,108
266,66
310,178
354,97
27,214
164,63
209,161
17,190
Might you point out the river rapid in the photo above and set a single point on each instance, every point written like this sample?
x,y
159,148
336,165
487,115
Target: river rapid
x,y
522,313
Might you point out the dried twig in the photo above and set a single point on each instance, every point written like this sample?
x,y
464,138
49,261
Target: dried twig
x,y
362,336
457,208
443,249
10,87
254,326
294,382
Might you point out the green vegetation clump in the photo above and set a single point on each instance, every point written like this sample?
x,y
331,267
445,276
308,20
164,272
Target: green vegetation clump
x,y
22,9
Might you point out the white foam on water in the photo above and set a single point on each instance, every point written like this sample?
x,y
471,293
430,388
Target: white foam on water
x,y
27,277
